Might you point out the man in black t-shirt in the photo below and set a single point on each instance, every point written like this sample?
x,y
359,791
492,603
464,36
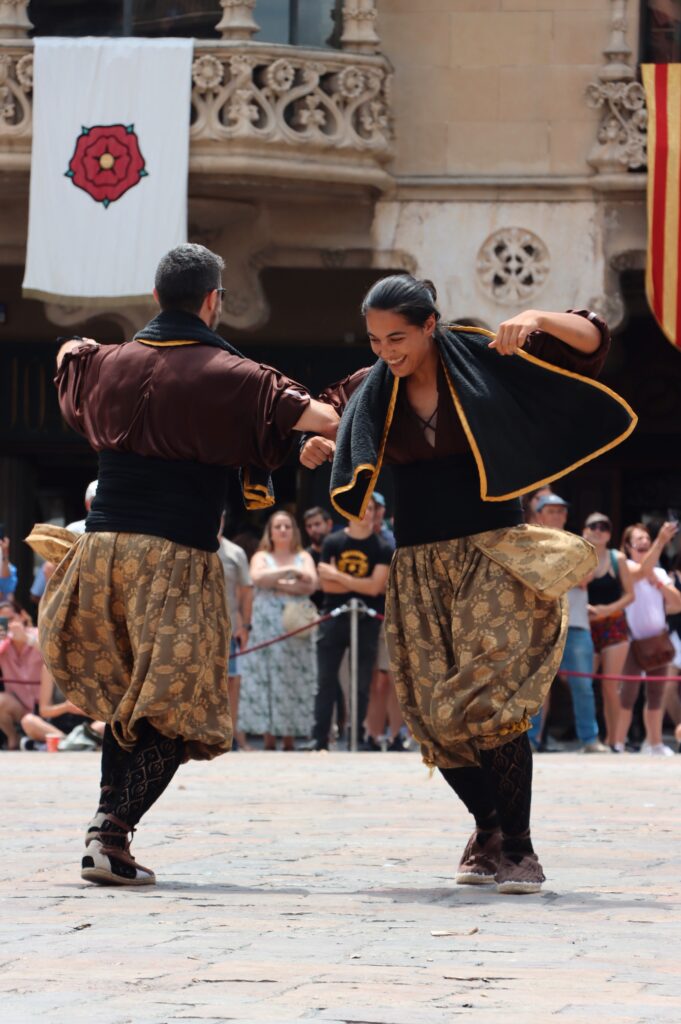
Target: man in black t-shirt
x,y
354,563
318,525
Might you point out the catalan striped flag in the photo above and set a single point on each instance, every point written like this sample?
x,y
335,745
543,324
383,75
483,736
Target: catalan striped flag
x,y
662,83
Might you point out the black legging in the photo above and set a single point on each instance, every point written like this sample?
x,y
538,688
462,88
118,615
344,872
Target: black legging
x,y
499,792
134,780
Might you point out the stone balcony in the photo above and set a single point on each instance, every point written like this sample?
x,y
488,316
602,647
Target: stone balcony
x,y
267,111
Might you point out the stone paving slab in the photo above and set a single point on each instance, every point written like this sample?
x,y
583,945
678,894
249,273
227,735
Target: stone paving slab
x,y
295,887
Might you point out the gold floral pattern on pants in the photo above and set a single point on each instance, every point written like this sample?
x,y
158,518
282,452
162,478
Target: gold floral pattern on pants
x,y
473,651
134,627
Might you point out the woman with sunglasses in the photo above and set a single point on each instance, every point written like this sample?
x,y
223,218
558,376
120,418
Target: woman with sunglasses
x,y
610,591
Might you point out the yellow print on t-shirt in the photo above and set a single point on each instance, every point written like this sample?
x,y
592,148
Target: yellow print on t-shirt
x,y
354,563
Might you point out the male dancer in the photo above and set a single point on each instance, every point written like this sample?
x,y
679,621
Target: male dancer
x,y
133,625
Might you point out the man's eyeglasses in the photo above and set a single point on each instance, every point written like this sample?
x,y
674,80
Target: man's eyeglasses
x,y
221,293
601,527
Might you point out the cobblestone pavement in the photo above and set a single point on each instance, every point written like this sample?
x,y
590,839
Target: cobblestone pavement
x,y
301,887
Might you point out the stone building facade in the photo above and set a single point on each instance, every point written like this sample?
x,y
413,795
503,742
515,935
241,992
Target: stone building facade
x,y
494,146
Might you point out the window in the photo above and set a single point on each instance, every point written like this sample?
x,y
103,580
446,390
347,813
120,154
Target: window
x,y
661,31
299,22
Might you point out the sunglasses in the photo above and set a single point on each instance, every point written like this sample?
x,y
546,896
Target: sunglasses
x,y
601,527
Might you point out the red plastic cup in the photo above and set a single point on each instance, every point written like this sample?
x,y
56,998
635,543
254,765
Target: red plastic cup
x,y
52,740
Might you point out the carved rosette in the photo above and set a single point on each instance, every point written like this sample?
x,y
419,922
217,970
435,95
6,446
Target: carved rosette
x,y
320,103
16,85
513,265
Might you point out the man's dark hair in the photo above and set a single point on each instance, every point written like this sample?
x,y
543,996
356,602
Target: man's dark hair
x,y
316,511
185,275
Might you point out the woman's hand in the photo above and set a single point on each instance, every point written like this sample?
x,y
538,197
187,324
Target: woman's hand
x,y
316,451
667,531
597,611
512,334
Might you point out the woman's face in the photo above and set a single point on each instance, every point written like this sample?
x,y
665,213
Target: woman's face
x,y
598,533
403,346
282,532
639,544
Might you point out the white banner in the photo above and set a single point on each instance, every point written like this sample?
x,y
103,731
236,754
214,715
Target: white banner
x,y
109,165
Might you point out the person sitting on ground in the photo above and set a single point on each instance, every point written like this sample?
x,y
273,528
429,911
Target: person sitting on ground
x,y
59,716
21,664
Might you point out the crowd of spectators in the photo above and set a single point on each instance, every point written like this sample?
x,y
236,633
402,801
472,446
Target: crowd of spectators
x,y
624,620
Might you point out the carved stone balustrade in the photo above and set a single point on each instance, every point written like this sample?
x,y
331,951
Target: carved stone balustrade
x,y
319,114
16,112
258,110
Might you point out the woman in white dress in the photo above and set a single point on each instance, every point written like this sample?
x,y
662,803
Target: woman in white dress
x,y
278,683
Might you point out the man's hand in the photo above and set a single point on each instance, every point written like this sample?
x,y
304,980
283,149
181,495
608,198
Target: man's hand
x,y
512,334
69,346
316,451
241,637
329,573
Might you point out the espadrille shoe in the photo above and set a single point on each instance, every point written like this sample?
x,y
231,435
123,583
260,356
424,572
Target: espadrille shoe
x,y
480,860
526,876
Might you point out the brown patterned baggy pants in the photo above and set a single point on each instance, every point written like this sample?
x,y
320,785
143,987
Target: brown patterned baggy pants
x,y
135,627
473,651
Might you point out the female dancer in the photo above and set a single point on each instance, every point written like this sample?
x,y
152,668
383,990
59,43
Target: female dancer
x,y
610,590
474,630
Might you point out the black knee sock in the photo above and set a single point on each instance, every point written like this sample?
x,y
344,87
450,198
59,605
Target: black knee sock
x,y
509,769
134,780
472,786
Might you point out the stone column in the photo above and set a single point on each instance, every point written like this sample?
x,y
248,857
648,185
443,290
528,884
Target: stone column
x,y
621,142
359,27
237,20
14,20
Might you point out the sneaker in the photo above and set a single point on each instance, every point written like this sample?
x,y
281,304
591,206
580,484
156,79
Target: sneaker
x,y
480,861
370,744
25,743
632,748
617,748
658,750
524,877
549,746
399,744
595,747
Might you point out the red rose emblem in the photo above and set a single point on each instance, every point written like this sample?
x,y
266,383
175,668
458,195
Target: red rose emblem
x,y
107,162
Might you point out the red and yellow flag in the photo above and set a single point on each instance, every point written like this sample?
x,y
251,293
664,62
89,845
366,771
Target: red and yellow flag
x,y
662,83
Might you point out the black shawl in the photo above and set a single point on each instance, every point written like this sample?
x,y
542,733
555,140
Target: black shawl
x,y
528,423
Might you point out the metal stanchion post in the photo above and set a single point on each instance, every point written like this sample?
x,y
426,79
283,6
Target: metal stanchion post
x,y
354,682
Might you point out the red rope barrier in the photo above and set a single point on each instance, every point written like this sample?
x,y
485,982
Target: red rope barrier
x,y
622,679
